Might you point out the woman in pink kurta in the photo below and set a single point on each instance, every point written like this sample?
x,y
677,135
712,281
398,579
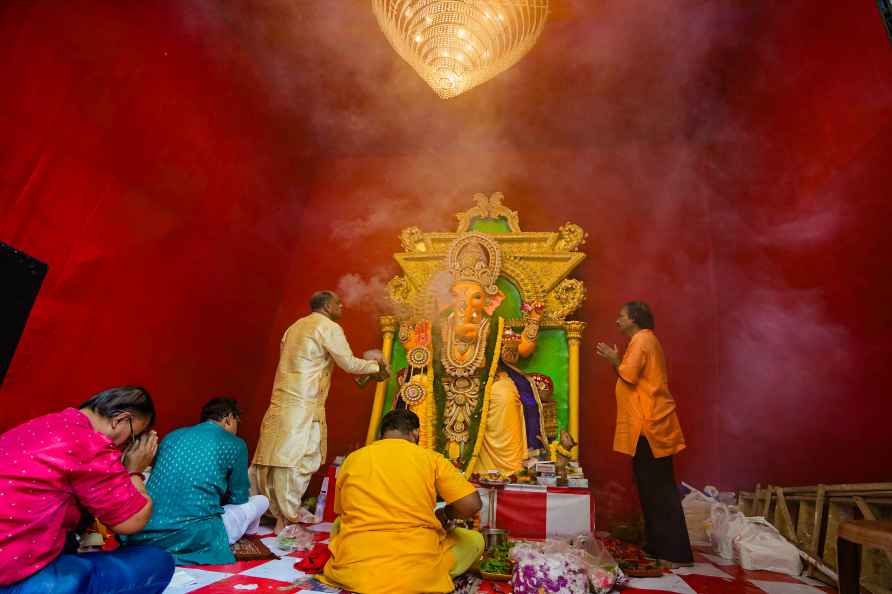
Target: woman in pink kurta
x,y
55,467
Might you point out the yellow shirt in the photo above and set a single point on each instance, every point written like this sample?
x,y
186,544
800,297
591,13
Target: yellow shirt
x,y
390,541
643,402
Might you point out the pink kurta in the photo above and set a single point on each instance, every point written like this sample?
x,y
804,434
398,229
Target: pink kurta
x,y
50,467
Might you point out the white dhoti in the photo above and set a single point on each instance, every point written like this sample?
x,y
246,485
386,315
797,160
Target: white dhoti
x,y
285,486
293,436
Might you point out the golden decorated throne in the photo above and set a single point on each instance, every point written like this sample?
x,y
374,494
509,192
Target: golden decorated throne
x,y
480,338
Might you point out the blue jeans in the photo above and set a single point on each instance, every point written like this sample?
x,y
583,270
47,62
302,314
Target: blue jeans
x,y
140,569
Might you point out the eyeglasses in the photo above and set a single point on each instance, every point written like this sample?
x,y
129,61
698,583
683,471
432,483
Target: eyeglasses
x,y
132,437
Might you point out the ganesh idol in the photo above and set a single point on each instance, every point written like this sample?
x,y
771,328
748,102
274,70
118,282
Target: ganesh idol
x,y
461,377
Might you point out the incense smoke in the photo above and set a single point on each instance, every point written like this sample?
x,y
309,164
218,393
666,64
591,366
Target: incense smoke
x,y
361,293
622,119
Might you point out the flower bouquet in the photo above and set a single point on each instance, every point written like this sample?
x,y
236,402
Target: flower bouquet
x,y
547,567
563,568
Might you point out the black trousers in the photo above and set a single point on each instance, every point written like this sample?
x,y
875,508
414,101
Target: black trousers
x,y
664,526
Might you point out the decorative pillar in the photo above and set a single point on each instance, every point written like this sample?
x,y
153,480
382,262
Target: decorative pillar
x,y
388,328
574,338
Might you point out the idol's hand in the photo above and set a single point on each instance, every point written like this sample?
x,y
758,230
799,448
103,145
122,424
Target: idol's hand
x,y
534,310
606,352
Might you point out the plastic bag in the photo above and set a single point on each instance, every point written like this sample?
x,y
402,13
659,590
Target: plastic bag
x,y
603,570
697,508
725,524
728,497
597,552
295,538
760,546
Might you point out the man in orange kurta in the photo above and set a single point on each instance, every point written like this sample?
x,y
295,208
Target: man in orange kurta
x,y
647,429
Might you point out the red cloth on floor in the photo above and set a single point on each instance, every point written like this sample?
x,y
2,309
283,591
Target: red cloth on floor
x,y
315,559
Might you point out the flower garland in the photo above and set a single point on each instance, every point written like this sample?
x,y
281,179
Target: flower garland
x,y
426,410
555,449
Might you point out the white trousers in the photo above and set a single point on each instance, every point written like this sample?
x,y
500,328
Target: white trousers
x,y
245,518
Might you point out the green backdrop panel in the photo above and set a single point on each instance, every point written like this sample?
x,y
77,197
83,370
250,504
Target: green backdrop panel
x,y
552,358
397,362
510,307
499,225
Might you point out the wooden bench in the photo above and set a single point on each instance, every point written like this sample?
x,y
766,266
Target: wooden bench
x,y
852,535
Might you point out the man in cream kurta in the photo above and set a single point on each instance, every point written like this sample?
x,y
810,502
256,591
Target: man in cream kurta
x,y
293,441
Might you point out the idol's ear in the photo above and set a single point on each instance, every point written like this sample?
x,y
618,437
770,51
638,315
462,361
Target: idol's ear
x,y
493,303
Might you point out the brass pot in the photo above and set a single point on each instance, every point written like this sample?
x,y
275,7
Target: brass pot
x,y
494,537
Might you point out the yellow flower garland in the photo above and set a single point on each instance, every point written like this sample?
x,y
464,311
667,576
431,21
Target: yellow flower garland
x,y
426,409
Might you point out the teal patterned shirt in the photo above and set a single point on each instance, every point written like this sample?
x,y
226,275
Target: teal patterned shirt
x,y
197,470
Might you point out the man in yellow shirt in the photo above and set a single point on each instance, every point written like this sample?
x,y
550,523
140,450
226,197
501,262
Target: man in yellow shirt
x,y
647,428
388,539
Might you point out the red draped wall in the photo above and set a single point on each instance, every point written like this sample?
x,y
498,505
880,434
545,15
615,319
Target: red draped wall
x,y
192,172
145,174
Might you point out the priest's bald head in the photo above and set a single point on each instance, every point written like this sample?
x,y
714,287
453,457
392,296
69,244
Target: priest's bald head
x,y
327,303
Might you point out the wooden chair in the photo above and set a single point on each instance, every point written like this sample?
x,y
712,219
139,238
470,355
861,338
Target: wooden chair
x,y
852,535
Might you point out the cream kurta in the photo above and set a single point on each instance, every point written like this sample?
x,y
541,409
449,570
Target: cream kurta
x,y
310,348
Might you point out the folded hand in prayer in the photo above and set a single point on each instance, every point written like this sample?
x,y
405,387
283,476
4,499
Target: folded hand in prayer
x,y
140,453
611,354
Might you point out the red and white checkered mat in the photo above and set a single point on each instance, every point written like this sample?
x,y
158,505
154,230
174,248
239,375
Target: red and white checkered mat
x,y
709,575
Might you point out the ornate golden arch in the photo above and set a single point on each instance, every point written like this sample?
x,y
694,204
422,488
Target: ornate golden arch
x,y
537,263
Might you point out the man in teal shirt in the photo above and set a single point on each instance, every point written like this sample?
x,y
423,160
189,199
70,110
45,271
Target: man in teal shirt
x,y
199,486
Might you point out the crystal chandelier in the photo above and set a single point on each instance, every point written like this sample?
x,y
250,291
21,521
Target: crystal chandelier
x,y
455,45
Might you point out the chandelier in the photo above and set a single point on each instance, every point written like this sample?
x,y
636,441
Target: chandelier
x,y
455,45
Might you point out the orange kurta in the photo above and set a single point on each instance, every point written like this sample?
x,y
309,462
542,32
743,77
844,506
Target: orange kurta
x,y
644,405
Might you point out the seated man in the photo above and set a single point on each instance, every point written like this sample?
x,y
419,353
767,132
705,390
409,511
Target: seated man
x,y
53,468
200,488
388,538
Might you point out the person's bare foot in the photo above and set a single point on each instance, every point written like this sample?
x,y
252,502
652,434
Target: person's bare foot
x,y
280,525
